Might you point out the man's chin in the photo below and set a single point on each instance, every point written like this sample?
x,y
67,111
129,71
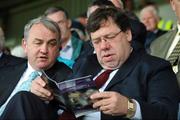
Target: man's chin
x,y
43,66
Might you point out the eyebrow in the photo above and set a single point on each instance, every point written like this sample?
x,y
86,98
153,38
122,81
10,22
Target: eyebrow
x,y
53,39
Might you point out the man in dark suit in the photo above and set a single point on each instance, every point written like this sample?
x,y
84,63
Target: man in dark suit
x,y
5,59
140,86
34,101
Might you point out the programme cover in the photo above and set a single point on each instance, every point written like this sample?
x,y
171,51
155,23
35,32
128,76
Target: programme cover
x,y
74,93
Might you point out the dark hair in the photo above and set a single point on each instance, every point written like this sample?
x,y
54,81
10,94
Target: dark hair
x,y
52,10
101,15
101,3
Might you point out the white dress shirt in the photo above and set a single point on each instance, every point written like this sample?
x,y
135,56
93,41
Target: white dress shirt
x,y
67,51
23,78
97,115
1,54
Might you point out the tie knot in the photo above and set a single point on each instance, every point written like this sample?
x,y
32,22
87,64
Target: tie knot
x,y
33,75
102,78
107,71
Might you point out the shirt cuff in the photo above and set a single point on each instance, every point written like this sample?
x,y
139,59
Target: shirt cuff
x,y
137,114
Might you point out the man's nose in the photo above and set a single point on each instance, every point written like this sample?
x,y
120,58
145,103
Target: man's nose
x,y
44,48
104,43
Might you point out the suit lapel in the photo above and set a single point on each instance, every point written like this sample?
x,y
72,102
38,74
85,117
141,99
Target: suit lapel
x,y
168,41
3,60
125,69
59,72
10,80
90,66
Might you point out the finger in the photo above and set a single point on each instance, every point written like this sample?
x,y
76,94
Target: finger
x,y
40,81
38,89
108,112
100,95
101,103
104,108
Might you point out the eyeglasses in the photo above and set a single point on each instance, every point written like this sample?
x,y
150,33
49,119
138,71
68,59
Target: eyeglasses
x,y
106,38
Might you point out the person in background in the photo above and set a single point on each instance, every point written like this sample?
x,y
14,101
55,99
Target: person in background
x,y
167,46
135,85
71,46
163,24
28,96
138,29
78,30
6,58
163,46
150,18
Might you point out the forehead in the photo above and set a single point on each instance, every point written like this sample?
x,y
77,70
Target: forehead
x,y
40,30
106,27
147,14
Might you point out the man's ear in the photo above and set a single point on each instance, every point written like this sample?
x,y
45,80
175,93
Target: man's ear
x,y
172,4
69,23
24,45
129,35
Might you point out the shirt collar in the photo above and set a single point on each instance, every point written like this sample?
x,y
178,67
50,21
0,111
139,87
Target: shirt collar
x,y
178,26
30,68
68,45
1,54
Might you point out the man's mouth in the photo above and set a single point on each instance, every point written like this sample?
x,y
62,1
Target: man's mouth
x,y
107,57
43,57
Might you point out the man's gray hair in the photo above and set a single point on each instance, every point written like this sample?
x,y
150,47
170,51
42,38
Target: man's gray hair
x,y
49,24
150,9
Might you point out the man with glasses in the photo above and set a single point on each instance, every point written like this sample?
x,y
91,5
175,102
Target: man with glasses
x,y
139,86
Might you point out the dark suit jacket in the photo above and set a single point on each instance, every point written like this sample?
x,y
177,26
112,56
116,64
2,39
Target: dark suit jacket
x,y
11,75
145,78
6,60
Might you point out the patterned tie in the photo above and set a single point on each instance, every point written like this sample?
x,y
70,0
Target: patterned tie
x,y
25,86
102,78
175,54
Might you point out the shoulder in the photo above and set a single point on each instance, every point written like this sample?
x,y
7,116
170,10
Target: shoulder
x,y
59,71
160,45
8,60
60,66
154,63
76,40
163,38
10,57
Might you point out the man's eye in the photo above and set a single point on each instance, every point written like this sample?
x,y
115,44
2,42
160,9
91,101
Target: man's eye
x,y
109,36
37,43
53,43
96,41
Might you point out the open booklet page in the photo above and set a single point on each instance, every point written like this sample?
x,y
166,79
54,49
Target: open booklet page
x,y
74,93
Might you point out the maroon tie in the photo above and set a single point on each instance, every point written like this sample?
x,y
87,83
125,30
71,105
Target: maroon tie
x,y
102,78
